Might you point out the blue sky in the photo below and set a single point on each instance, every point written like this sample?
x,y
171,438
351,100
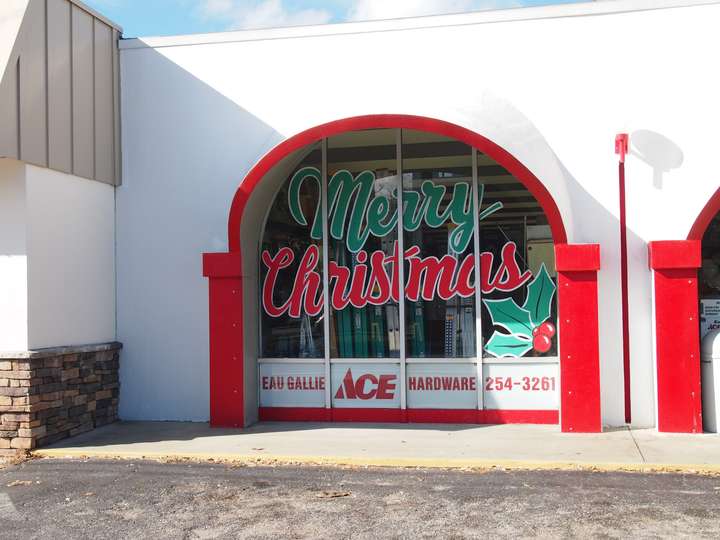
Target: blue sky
x,y
167,17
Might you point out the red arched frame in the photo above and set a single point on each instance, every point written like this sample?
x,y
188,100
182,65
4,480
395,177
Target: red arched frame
x,y
577,267
711,209
392,121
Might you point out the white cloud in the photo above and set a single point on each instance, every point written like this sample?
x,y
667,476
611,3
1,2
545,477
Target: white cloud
x,y
364,10
238,14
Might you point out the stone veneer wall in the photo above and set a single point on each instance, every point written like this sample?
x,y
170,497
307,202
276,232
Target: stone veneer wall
x,y
50,394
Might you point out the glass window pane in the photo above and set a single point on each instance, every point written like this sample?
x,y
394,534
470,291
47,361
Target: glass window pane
x,y
439,251
362,225
517,267
709,279
291,288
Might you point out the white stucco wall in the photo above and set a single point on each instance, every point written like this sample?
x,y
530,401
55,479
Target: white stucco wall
x,y
550,85
13,257
57,259
71,268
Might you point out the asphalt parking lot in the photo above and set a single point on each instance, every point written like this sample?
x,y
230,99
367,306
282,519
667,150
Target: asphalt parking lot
x,y
54,498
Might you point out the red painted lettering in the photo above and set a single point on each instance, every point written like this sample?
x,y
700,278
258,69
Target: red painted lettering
x,y
305,294
283,258
367,386
374,279
508,277
386,387
360,386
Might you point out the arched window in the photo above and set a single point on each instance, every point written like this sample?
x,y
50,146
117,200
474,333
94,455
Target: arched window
x,y
404,269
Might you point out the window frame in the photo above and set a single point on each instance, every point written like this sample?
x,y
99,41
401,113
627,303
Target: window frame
x,y
479,360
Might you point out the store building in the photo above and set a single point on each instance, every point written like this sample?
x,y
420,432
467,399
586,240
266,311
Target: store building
x,y
417,220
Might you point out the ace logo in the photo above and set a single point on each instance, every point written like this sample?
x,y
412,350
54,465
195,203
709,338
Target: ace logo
x,y
367,386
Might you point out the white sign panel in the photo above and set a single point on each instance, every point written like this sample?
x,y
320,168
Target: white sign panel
x,y
521,386
709,315
365,386
292,385
442,386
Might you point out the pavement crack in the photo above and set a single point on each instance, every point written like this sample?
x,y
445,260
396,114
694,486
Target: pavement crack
x,y
637,446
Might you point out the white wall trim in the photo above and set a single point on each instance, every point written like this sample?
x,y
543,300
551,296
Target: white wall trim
x,y
584,9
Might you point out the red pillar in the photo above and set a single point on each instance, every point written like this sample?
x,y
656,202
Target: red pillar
x,y
226,339
577,266
674,264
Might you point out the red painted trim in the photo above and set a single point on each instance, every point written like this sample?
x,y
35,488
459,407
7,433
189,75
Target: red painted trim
x,y
677,335
222,264
577,257
416,416
680,254
708,213
579,348
369,415
226,353
310,136
294,414
490,416
442,416
624,284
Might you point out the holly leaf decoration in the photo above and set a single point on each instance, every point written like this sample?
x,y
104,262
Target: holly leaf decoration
x,y
507,314
507,345
519,322
540,293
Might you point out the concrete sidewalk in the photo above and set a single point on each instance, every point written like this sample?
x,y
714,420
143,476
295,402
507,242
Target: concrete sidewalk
x,y
511,446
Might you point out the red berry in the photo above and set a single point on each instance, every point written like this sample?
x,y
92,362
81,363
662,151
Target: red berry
x,y
547,328
542,343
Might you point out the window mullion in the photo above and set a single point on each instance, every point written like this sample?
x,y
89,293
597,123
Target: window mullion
x,y
478,281
401,271
326,288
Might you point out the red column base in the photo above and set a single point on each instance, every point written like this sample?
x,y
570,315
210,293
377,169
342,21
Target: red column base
x,y
577,267
677,334
226,339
